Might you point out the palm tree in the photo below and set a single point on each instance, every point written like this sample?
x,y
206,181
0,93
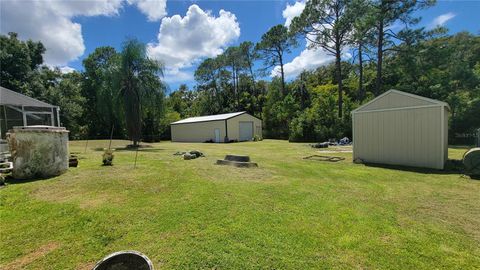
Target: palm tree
x,y
138,80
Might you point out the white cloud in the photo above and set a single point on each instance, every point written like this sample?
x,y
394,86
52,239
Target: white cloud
x,y
154,9
309,58
66,69
199,34
176,75
292,11
50,21
442,19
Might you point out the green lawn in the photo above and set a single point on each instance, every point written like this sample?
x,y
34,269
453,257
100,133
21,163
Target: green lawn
x,y
289,213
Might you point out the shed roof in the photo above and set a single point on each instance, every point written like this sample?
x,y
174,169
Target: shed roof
x,y
394,99
9,97
208,118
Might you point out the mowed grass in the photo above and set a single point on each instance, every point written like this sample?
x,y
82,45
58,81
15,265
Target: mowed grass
x,y
288,213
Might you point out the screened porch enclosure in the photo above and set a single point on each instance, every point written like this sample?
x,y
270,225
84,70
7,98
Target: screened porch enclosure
x,y
20,110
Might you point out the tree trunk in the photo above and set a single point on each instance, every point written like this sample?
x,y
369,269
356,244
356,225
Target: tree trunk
x,y
235,86
338,64
283,76
378,88
132,111
361,92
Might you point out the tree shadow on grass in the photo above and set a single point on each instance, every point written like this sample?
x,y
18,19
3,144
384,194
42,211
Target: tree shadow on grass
x,y
453,166
465,147
141,148
9,180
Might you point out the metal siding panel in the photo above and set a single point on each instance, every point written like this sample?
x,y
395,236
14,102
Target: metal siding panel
x,y
233,125
406,137
197,132
445,136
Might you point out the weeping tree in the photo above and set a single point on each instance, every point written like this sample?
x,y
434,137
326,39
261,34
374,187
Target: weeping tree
x,y
140,87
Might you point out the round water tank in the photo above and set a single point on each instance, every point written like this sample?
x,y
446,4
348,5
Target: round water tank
x,y
471,161
38,151
125,260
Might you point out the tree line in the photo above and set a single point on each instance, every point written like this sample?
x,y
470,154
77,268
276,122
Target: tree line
x,y
119,93
376,45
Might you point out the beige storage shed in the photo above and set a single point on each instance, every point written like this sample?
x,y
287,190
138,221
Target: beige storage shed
x,y
399,128
238,126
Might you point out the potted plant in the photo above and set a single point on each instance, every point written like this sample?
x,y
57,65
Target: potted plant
x,y
108,157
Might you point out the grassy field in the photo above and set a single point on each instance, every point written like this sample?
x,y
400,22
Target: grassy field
x,y
289,213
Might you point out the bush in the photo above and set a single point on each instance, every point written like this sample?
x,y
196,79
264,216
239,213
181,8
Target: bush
x,y
257,138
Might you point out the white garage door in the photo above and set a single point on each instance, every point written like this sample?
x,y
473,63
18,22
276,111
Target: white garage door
x,y
246,131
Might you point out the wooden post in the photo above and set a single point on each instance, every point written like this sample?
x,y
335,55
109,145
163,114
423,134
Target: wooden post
x,y
86,144
111,136
136,154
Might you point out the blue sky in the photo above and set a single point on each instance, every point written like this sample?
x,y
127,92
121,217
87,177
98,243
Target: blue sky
x,y
190,32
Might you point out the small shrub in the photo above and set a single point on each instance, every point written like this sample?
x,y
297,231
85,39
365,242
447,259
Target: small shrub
x,y
107,157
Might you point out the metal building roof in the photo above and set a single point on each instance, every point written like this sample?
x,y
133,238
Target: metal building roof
x,y
208,118
9,97
413,96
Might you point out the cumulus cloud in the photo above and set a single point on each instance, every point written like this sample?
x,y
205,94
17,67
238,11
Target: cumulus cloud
x,y
154,9
50,21
66,69
199,34
442,19
176,75
308,59
292,11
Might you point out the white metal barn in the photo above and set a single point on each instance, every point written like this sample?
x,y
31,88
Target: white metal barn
x,y
399,128
238,126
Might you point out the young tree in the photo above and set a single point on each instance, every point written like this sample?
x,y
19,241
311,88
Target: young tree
x,y
386,13
272,48
232,58
209,77
139,83
362,36
327,24
249,56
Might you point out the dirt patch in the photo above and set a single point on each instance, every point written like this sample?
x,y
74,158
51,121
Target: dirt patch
x,y
86,266
20,263
88,203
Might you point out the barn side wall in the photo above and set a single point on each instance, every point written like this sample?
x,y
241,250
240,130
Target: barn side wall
x,y
233,126
197,132
408,137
